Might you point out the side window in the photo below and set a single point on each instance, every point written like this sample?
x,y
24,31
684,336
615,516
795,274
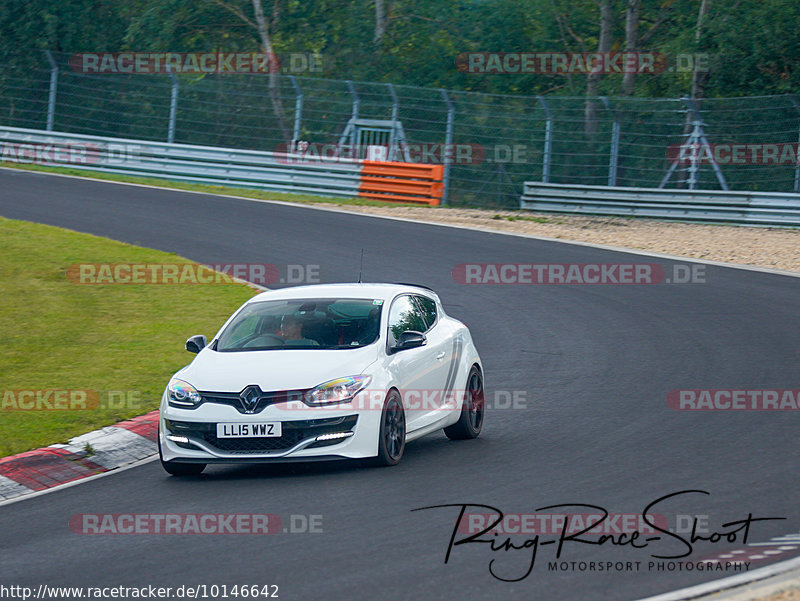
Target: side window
x,y
428,308
403,316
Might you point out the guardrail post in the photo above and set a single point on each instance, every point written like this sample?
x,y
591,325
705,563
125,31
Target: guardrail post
x,y
548,141
447,155
796,104
298,112
614,160
51,100
392,134
173,106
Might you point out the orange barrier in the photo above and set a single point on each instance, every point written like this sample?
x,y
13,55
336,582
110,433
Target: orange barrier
x,y
402,182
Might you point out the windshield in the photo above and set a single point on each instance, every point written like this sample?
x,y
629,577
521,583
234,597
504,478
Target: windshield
x,y
338,323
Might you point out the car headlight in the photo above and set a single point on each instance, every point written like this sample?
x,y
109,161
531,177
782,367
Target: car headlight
x,y
340,390
182,394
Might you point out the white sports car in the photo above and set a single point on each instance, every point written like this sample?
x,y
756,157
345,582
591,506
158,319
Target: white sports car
x,y
323,372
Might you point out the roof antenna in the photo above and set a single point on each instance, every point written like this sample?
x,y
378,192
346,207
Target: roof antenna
x,y
361,267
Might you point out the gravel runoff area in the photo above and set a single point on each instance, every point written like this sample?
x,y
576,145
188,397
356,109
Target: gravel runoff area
x,y
770,247
784,587
787,595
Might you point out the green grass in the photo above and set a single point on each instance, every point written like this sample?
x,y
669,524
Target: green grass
x,y
66,336
209,189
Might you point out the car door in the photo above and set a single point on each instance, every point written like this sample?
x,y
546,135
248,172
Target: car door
x,y
447,352
417,372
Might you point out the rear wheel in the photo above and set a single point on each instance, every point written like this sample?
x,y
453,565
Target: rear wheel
x,y
392,434
470,422
176,468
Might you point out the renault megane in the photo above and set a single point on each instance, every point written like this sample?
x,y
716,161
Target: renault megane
x,y
323,372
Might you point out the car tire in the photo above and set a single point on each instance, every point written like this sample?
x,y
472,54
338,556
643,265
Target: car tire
x,y
392,432
176,468
470,422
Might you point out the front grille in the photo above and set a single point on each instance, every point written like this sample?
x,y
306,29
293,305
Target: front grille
x,y
253,445
265,399
293,432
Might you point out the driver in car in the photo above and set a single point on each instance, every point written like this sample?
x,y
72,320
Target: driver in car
x,y
291,332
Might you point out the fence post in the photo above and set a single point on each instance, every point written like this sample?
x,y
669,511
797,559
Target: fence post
x,y
173,106
298,112
447,155
51,101
614,160
351,129
796,104
548,141
356,100
393,133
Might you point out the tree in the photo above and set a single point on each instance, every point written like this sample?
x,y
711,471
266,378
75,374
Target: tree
x,y
383,10
631,42
592,79
274,82
700,75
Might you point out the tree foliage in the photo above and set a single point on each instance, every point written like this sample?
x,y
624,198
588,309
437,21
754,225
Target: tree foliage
x,y
752,45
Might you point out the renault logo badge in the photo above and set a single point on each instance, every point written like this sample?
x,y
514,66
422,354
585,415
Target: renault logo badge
x,y
249,398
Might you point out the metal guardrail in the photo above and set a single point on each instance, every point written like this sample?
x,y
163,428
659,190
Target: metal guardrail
x,y
756,208
183,162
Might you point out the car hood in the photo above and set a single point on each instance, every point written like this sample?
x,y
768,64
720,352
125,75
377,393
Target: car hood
x,y
212,371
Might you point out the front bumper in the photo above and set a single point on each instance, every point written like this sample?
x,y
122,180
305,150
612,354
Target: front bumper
x,y
296,435
189,435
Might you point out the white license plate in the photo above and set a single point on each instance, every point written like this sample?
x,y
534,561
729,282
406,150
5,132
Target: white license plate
x,y
249,430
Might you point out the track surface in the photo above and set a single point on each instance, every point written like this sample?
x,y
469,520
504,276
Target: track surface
x,y
594,362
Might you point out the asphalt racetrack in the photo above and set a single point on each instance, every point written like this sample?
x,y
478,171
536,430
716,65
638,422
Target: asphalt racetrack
x,y
591,367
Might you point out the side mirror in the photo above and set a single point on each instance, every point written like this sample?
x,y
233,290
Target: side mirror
x,y
409,339
195,344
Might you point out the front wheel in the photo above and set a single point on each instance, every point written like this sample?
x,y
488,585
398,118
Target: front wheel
x,y
175,468
392,433
470,422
